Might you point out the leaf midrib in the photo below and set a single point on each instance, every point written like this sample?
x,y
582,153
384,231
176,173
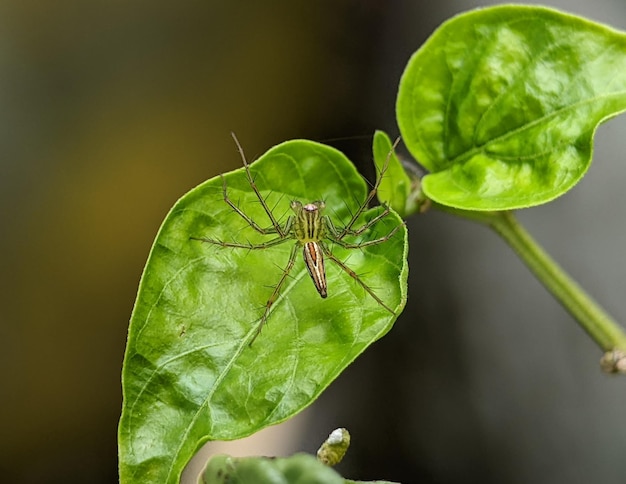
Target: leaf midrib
x,y
469,154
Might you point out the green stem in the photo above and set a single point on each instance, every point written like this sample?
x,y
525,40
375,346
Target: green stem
x,y
594,320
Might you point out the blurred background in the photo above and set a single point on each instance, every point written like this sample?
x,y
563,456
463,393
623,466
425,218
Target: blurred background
x,y
111,110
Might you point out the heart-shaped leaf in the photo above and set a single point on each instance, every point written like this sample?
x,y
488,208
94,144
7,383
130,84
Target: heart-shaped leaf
x,y
189,375
501,104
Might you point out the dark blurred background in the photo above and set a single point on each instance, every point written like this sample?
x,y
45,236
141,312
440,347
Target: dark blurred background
x,y
111,110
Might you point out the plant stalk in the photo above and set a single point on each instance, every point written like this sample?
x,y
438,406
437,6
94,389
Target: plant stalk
x,y
609,335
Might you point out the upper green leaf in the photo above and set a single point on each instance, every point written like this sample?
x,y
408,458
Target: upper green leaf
x,y
189,375
501,104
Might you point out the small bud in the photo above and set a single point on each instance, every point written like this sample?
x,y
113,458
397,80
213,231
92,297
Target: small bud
x,y
334,448
614,361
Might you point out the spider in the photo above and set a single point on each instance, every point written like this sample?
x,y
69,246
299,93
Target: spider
x,y
310,228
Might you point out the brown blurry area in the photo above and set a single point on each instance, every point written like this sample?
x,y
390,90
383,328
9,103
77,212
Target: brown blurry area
x,y
111,110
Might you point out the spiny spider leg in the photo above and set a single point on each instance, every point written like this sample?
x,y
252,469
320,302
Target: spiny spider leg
x,y
373,221
336,232
355,276
252,223
347,230
262,245
359,245
270,302
279,230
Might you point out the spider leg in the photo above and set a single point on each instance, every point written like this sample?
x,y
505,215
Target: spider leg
x,y
242,214
237,245
340,234
355,276
358,245
277,228
262,245
373,221
270,302
370,196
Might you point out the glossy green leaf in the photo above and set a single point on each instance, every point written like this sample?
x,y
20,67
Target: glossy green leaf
x,y
501,104
189,375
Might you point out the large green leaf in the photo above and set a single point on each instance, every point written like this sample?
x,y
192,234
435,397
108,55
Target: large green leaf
x,y
189,375
501,104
